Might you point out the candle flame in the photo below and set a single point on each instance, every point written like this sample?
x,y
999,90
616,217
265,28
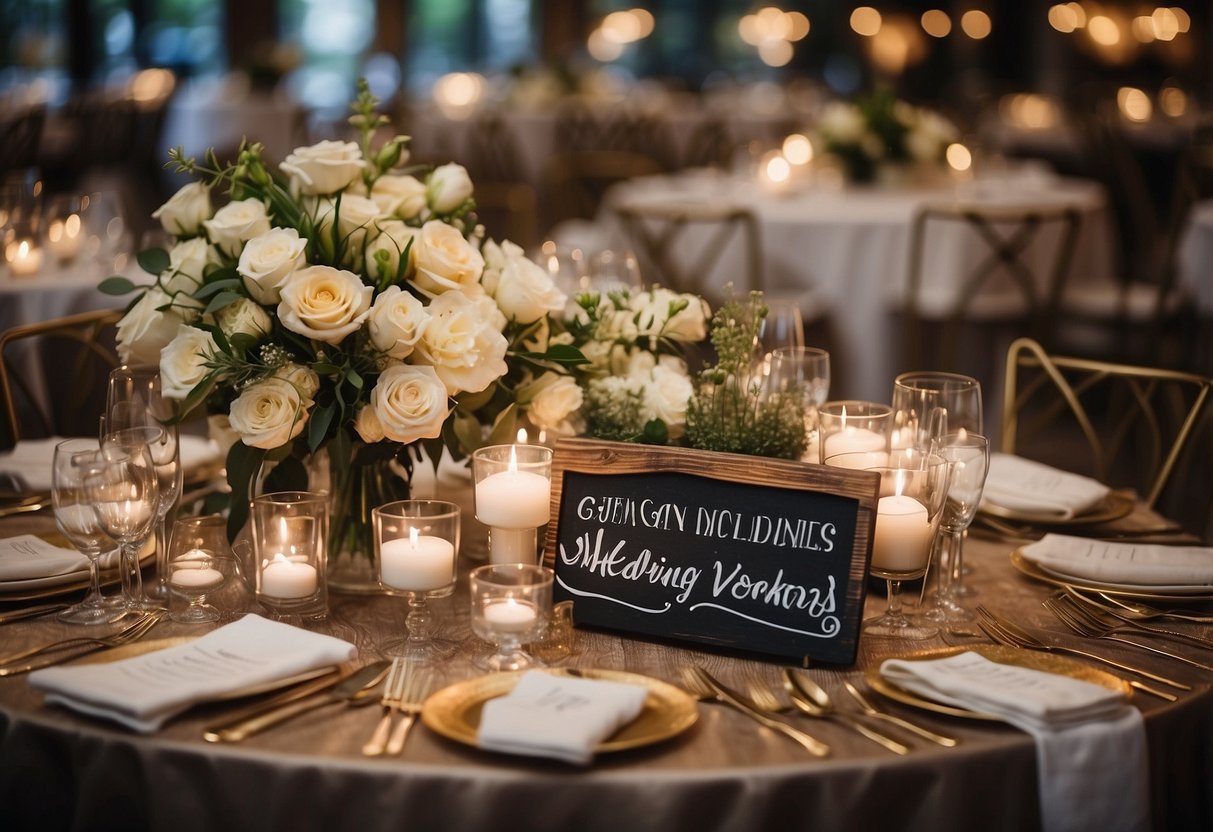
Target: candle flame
x,y
521,435
513,459
842,421
899,483
413,537
962,434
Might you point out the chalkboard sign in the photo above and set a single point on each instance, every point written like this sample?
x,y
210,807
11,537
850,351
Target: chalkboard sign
x,y
736,552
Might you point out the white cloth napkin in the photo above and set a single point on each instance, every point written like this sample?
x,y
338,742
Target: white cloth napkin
x,y
27,556
1091,752
556,716
1147,564
145,691
30,461
1035,488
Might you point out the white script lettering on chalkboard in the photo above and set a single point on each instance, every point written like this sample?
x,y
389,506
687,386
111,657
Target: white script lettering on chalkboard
x,y
625,511
591,557
765,530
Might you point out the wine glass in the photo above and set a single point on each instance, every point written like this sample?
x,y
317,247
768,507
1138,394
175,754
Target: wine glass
x,y
510,607
416,544
75,518
566,265
133,400
806,370
968,456
612,270
200,566
912,496
782,326
930,404
125,491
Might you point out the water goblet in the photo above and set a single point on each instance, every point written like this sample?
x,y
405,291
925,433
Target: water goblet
x,y
511,603
513,497
200,566
930,404
416,545
76,520
968,456
566,265
805,370
124,492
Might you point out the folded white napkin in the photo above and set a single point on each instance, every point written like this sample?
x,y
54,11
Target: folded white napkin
x,y
26,556
1147,564
1091,754
1035,488
556,716
30,461
145,691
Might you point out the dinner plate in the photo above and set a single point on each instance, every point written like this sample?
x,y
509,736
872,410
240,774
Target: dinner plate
x,y
1112,507
1014,656
1178,592
454,712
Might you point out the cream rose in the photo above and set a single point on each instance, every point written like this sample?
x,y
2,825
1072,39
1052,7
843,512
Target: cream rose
x,y
523,290
324,303
368,425
237,222
448,187
689,323
185,210
269,414
463,342
268,260
666,396
183,361
411,403
401,196
305,379
445,260
324,168
243,317
396,322
145,330
394,237
187,262
551,400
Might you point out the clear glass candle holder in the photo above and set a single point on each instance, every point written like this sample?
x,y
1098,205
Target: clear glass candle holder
x,y
511,603
851,427
199,565
416,547
289,533
513,497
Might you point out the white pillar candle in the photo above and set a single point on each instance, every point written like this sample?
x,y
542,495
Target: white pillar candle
x,y
853,440
283,578
859,461
902,540
514,500
418,563
195,577
510,615
513,545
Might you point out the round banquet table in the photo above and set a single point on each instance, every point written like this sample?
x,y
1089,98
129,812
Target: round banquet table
x,y
59,770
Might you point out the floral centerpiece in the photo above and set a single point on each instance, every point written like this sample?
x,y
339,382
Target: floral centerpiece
x,y
879,133
342,306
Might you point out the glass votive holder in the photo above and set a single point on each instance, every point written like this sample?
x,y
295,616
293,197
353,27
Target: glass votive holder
x,y
200,564
416,546
853,427
513,497
289,533
511,603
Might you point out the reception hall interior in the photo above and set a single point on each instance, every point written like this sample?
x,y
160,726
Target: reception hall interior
x,y
577,414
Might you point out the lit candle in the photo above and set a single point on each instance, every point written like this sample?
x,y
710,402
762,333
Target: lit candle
x,y
24,258
902,540
63,238
418,563
510,615
195,576
852,440
514,499
283,578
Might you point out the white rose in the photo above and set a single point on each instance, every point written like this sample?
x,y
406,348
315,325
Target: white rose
x,y
269,414
304,379
356,220
445,260
666,396
448,187
187,262
237,222
393,239
411,403
183,361
185,210
551,400
402,196
268,260
463,342
690,323
324,168
368,426
243,317
640,365
524,291
396,322
324,303
145,330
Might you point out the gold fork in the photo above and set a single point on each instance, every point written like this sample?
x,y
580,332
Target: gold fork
x,y
411,698
393,689
1085,624
132,633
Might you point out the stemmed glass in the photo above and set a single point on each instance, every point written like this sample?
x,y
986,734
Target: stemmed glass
x,y
907,519
968,456
612,270
200,565
782,326
511,603
125,492
807,370
75,518
930,404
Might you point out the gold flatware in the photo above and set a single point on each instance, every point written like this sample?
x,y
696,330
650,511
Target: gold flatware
x,y
30,612
1004,632
393,689
301,690
1080,622
31,503
1123,624
416,689
1138,611
697,679
131,633
874,712
361,684
813,700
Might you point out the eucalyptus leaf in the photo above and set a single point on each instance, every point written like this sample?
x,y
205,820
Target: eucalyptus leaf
x,y
209,289
220,301
153,260
504,427
318,426
116,285
243,463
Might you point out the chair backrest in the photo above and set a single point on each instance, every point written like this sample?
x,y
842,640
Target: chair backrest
x,y
684,246
20,136
573,184
1122,424
53,375
1026,252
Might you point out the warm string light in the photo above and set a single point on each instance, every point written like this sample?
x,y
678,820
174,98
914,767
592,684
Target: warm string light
x,y
772,32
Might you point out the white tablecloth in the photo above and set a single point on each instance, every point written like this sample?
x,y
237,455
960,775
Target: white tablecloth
x,y
1196,257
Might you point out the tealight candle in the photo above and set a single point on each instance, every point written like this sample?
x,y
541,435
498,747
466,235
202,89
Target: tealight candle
x,y
853,440
24,258
63,238
195,577
514,499
510,616
284,578
418,563
902,540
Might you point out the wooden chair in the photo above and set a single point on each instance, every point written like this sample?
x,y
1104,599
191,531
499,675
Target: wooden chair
x,y
78,353
573,184
1124,425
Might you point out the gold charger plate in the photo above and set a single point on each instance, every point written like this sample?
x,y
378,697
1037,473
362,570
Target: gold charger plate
x,y
454,712
1146,593
1113,507
1031,659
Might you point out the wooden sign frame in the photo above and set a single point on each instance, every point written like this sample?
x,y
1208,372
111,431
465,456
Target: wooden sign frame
x,y
735,552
